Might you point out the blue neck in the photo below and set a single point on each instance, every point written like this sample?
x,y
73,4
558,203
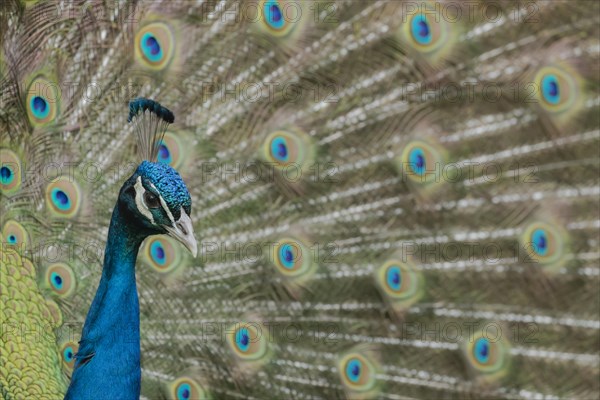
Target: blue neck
x,y
121,250
111,334
118,276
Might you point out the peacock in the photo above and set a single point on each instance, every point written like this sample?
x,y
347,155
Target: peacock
x,y
152,201
391,199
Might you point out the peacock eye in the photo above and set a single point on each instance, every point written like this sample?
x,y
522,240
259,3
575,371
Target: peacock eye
x,y
151,200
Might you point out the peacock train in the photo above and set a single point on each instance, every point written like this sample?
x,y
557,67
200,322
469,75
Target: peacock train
x,y
299,199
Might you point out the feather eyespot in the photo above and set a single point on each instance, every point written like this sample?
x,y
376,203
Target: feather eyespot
x,y
544,243
288,148
421,162
184,391
6,175
280,18
185,388
279,149
558,90
289,255
42,102
550,89
432,37
427,35
15,234
539,239
162,254
481,351
488,357
394,278
283,148
417,161
293,258
353,370
67,353
247,341
60,279
400,283
63,198
273,14
164,155
10,172
172,150
357,372
155,45
420,29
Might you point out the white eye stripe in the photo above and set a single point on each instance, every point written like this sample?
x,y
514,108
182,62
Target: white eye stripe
x,y
164,205
141,204
139,199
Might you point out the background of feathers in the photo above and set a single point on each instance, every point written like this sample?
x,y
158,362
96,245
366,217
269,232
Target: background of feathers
x,y
355,97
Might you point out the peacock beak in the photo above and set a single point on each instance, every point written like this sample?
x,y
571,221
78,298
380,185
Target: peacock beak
x,y
183,231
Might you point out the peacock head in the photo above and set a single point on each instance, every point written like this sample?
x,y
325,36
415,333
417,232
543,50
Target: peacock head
x,y
155,198
159,202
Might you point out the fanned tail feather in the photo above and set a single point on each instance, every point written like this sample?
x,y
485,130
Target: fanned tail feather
x,y
393,199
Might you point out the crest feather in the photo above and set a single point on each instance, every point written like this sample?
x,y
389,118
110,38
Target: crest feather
x,y
151,122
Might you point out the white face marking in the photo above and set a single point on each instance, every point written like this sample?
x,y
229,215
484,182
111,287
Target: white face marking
x,y
139,199
164,205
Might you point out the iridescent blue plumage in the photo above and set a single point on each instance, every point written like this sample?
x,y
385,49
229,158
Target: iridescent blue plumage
x,y
381,184
154,200
164,155
109,350
482,350
110,347
39,106
550,89
68,354
151,47
540,242
286,256
353,370
420,29
6,175
61,199
273,14
417,161
184,391
279,149
242,339
57,281
169,184
158,253
394,278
